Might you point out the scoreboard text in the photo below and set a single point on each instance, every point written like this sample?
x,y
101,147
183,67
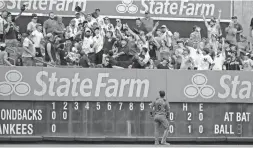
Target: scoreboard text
x,y
122,119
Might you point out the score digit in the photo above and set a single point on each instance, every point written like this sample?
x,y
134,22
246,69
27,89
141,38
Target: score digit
x,y
189,129
65,105
201,129
201,117
53,128
65,115
109,106
171,116
53,115
53,103
171,129
189,116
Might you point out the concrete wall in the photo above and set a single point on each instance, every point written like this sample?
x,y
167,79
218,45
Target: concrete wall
x,y
243,9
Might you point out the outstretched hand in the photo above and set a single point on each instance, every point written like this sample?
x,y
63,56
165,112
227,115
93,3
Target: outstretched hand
x,y
157,24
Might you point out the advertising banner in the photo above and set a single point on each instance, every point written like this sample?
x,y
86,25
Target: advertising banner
x,y
160,9
35,83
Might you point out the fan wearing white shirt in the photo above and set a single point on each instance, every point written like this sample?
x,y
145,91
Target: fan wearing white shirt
x,y
71,30
90,20
196,55
119,25
79,19
107,25
187,61
197,59
143,61
247,63
37,37
206,62
87,45
220,58
98,44
166,34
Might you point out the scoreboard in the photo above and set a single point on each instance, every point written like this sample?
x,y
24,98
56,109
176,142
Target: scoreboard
x,y
131,120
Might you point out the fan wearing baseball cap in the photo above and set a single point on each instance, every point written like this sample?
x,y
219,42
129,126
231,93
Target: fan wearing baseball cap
x,y
148,22
32,25
166,35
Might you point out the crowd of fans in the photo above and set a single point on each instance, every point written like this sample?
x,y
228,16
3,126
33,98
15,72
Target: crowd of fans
x,y
92,41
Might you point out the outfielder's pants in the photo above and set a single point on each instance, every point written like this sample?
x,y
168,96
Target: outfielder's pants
x,y
160,120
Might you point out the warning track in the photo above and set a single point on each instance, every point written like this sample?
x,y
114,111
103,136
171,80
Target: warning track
x,y
115,146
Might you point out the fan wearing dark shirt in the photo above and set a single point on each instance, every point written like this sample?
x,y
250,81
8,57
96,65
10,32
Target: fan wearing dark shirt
x,y
237,26
106,63
63,54
232,62
163,64
84,60
139,27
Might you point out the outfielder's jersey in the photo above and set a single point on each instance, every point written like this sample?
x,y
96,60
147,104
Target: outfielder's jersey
x,y
160,106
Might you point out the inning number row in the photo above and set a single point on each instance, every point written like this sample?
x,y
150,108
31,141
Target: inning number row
x,y
109,105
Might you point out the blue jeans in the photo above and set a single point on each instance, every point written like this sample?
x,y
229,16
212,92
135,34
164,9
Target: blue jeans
x,y
28,61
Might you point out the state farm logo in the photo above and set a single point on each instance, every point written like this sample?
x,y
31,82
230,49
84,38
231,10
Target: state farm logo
x,y
127,6
13,83
199,87
2,4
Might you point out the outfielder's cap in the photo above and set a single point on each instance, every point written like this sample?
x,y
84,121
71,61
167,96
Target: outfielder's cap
x,y
162,93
